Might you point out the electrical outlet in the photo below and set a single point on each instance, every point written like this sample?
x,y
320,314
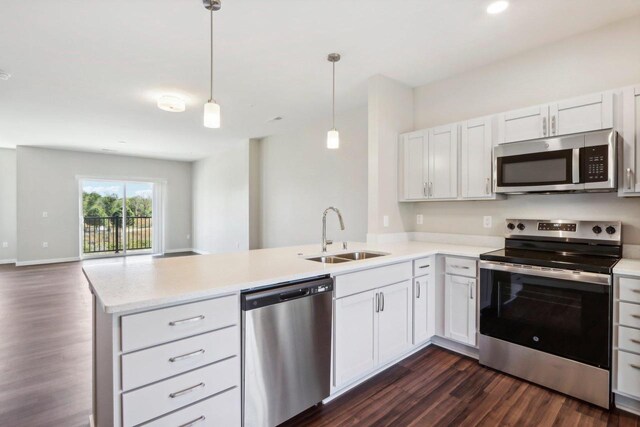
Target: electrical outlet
x,y
419,219
5,244
487,221
45,214
385,221
45,244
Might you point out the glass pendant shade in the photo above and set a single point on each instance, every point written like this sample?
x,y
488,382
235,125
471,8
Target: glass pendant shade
x,y
333,139
212,115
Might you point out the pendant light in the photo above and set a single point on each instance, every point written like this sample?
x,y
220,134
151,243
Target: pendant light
x,y
211,108
333,137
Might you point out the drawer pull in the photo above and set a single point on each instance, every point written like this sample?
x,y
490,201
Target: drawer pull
x,y
636,316
189,320
633,365
186,356
194,422
464,267
637,291
427,266
635,341
185,391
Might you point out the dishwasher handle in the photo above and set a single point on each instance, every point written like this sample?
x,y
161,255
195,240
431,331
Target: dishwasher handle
x,y
286,292
294,294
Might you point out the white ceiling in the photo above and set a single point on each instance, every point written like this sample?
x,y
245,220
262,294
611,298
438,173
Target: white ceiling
x,y
85,74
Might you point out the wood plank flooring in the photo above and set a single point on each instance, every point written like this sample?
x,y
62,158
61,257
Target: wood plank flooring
x,y
45,372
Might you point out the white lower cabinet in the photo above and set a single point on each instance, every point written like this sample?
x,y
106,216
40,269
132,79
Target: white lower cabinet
x,y
460,309
423,309
371,329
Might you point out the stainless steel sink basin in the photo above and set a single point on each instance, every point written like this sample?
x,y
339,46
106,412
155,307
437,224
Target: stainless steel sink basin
x,y
355,256
346,257
328,259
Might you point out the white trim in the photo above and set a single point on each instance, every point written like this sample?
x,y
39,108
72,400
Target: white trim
x,y
7,261
47,261
173,251
200,251
626,403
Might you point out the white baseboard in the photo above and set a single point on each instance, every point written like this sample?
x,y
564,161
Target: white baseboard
x,y
201,252
173,251
7,261
46,261
627,404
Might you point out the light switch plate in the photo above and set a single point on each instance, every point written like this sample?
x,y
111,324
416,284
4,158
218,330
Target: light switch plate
x,y
45,244
385,221
487,221
45,214
5,244
419,219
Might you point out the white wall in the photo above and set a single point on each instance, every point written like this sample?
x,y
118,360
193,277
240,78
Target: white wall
x,y
390,113
301,178
47,181
8,205
606,58
221,200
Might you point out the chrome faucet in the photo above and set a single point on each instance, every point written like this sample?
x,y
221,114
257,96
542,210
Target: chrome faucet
x,y
326,242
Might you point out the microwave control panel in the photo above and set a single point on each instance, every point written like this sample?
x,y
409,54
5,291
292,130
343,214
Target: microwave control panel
x,y
595,163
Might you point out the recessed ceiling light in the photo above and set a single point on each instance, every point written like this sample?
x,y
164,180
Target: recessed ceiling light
x,y
497,7
4,75
171,103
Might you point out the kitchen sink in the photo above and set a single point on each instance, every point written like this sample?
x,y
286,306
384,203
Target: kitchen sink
x,y
346,257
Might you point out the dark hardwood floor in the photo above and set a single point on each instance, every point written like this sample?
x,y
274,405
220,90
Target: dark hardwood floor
x,y
45,372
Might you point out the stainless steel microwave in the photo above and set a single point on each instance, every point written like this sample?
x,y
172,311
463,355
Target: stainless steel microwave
x,y
574,163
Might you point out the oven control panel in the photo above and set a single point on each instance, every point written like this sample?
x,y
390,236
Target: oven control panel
x,y
564,230
595,162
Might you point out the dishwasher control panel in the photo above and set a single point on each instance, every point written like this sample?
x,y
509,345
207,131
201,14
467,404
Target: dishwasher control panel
x,y
286,292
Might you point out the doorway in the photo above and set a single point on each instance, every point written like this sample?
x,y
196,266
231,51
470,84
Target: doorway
x,y
117,218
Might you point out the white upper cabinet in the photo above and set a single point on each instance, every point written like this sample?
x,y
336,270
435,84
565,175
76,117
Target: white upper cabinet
x,y
476,146
583,114
629,179
443,162
414,148
524,124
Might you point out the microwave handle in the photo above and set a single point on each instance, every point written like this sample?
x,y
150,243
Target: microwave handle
x,y
575,166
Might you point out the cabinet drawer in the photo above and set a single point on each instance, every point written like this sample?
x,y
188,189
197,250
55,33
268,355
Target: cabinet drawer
x,y
629,373
629,289
153,364
168,395
353,283
460,266
629,339
181,321
629,314
220,410
422,266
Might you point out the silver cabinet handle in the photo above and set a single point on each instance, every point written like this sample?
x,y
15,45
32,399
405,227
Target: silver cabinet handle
x,y
486,186
382,301
424,189
417,289
636,316
194,422
464,267
628,178
377,302
189,320
428,265
470,289
544,126
637,291
633,365
430,189
186,391
633,340
553,125
186,356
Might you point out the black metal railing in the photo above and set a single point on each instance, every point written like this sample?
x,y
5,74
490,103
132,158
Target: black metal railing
x,y
106,234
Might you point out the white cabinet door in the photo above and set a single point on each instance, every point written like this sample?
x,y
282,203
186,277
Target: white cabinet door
x,y
584,114
459,311
420,310
476,144
525,124
629,182
414,152
394,321
355,336
443,162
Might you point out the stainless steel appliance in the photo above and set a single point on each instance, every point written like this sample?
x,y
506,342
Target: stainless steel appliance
x,y
573,163
545,305
286,336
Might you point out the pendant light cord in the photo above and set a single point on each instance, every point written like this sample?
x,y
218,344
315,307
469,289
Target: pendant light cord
x,y
211,58
333,99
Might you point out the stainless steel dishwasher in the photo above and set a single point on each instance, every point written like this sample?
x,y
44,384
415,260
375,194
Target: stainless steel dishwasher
x,y
286,350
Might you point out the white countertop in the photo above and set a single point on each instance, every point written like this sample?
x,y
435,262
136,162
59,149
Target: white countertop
x,y
129,284
627,266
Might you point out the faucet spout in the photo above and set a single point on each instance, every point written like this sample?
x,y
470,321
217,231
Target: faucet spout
x,y
325,242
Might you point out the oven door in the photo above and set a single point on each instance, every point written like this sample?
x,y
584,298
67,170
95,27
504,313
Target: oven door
x,y
561,312
539,166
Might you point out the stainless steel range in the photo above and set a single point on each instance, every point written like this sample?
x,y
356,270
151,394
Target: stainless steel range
x,y
545,305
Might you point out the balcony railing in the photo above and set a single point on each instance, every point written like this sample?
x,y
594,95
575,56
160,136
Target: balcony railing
x,y
105,234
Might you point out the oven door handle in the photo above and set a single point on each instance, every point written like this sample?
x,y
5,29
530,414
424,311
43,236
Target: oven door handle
x,y
554,273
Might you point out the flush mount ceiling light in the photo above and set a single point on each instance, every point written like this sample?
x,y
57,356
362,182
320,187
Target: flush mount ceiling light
x,y
211,108
171,103
333,137
4,75
497,7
